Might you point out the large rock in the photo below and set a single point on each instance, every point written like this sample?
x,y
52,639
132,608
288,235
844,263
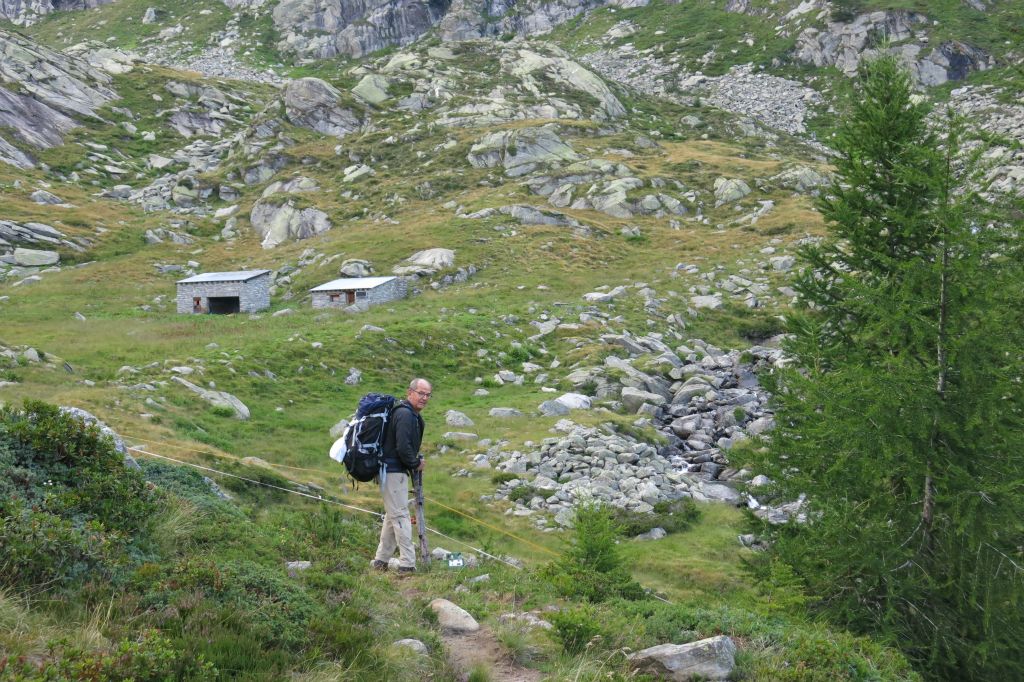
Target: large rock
x,y
728,190
575,401
414,645
504,413
707,659
426,262
453,618
277,222
296,185
35,258
26,12
612,199
339,429
372,89
456,418
570,73
633,399
521,151
553,408
800,179
316,104
328,28
217,398
356,267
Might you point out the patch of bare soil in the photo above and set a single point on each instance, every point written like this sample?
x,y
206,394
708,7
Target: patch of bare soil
x,y
467,650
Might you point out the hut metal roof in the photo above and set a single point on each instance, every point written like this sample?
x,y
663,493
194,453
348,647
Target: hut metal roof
x,y
238,276
346,283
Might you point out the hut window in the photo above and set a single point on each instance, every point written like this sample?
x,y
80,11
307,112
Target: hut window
x,y
361,293
335,297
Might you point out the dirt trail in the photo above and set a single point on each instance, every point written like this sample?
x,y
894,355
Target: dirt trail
x,y
468,649
481,647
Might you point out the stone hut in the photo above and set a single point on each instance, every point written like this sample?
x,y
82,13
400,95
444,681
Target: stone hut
x,y
361,292
245,291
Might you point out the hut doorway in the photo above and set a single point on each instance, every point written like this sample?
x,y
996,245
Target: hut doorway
x,y
224,305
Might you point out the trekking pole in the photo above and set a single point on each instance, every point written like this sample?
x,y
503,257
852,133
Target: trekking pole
x,y
421,524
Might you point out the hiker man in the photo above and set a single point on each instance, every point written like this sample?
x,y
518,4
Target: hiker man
x,y
401,455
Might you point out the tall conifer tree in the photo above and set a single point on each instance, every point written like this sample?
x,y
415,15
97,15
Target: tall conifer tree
x,y
901,416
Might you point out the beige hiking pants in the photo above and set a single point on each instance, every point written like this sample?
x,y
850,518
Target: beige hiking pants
x,y
397,530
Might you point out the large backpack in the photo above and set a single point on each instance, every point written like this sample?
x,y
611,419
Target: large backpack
x,y
359,447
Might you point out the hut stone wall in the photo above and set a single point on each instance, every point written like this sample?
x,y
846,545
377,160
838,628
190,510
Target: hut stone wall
x,y
388,291
253,295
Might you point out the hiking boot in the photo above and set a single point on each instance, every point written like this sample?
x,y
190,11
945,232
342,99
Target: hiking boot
x,y
406,570
379,565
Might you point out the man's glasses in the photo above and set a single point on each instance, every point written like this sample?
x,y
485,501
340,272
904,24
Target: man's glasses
x,y
422,394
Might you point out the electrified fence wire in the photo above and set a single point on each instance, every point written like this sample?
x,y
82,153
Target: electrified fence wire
x,y
472,518
328,500
319,498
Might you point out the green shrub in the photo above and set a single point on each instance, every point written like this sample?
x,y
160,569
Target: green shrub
x,y
222,411
330,527
187,483
673,517
500,477
69,507
259,602
760,326
37,547
575,628
522,352
593,568
522,493
148,658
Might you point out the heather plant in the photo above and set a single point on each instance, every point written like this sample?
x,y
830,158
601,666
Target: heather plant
x,y
70,508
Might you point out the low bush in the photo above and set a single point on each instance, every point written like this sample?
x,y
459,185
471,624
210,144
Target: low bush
x,y
673,517
522,493
270,608
575,628
69,507
150,657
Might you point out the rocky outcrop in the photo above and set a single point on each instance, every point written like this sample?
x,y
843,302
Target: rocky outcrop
x,y
50,91
353,28
316,104
565,71
845,45
1002,117
277,220
26,12
702,399
34,235
326,28
521,151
